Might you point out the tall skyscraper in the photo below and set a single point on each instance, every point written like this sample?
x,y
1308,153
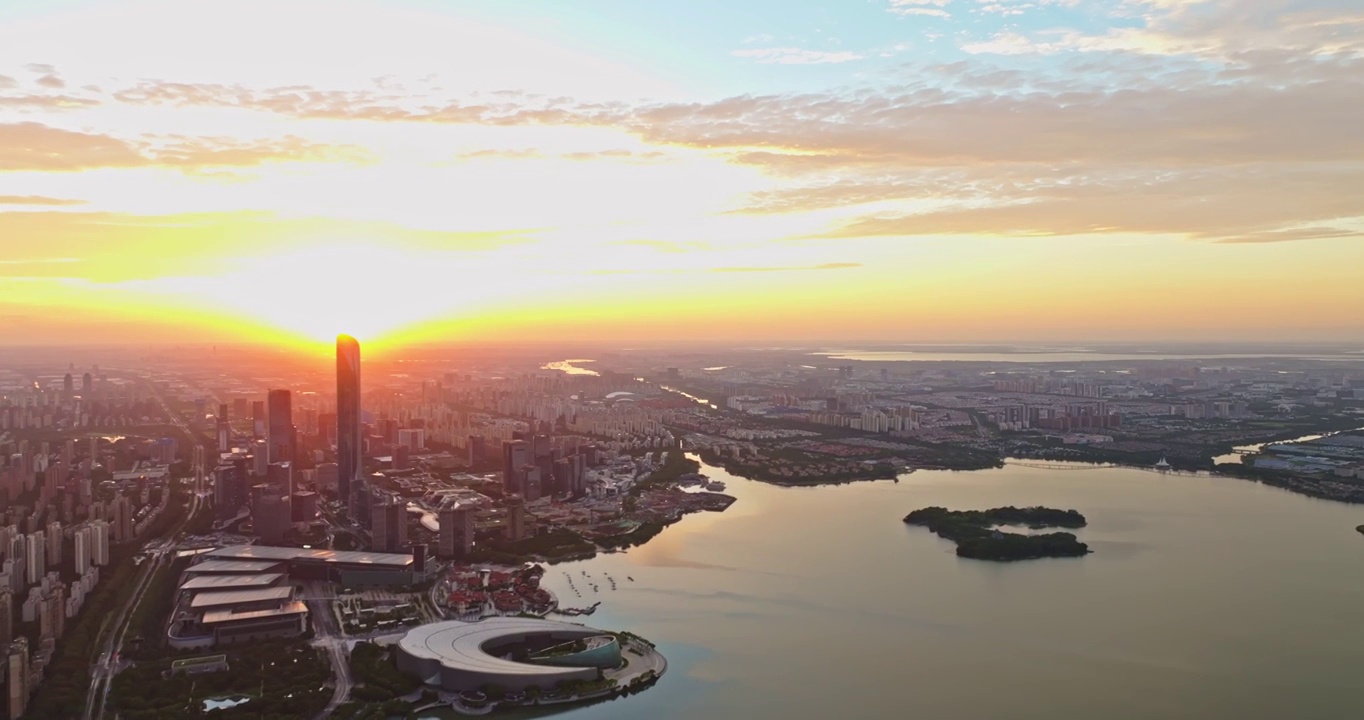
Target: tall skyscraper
x,y
515,455
280,475
258,418
123,519
87,387
68,386
456,531
229,491
389,531
349,462
516,518
279,431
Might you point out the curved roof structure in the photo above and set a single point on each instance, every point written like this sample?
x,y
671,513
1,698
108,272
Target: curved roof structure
x,y
451,653
290,554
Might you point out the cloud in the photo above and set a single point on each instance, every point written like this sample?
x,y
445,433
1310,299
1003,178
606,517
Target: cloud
x,y
1288,234
823,266
665,246
1206,28
726,269
197,152
7,82
932,8
38,200
1233,205
35,146
47,102
51,81
795,56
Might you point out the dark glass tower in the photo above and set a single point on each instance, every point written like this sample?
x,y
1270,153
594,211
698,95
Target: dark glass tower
x,y
279,428
348,458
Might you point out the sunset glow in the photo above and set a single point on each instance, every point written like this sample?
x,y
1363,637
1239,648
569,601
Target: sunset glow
x,y
912,171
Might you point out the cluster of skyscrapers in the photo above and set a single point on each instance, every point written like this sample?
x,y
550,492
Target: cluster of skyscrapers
x,y
263,479
533,467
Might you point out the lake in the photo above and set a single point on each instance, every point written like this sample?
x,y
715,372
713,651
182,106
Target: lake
x,y
1205,597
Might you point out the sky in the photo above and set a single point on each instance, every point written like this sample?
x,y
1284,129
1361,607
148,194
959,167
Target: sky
x,y
619,171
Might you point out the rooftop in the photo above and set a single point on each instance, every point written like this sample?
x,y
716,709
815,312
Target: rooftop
x,y
241,597
220,616
291,554
459,645
232,566
231,582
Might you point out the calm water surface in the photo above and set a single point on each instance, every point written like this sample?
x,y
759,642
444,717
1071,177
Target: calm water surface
x,y
1239,453
1066,356
1205,598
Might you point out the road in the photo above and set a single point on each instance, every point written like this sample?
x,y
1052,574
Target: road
x,y
106,665
318,595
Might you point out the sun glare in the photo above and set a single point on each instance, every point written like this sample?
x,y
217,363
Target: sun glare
x,y
368,291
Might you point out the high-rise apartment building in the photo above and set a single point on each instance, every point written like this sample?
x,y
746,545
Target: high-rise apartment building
x,y
122,516
82,550
17,677
99,542
6,616
35,557
349,461
54,544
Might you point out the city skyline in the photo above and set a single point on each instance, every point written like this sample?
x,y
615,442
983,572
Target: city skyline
x,y
897,170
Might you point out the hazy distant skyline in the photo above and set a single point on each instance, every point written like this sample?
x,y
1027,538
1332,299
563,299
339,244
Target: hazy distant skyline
x,y
894,170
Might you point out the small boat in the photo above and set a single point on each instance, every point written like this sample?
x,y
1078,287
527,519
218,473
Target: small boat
x,y
715,486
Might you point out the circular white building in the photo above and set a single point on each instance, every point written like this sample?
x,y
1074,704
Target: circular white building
x,y
514,653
